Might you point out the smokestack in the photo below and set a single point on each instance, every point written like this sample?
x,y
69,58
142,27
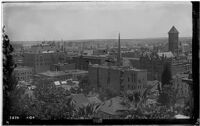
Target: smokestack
x,y
119,52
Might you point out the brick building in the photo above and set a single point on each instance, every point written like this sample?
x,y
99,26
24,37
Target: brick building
x,y
174,44
117,79
41,62
62,66
82,62
62,75
132,62
23,73
154,64
44,46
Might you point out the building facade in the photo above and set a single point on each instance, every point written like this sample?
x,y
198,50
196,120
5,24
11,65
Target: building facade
x,y
154,64
62,75
117,79
62,66
173,40
82,62
23,73
41,62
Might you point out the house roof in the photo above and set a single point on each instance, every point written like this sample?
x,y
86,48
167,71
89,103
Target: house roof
x,y
80,100
53,73
94,100
173,30
113,106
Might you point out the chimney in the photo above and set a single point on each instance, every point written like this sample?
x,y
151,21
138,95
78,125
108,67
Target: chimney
x,y
119,52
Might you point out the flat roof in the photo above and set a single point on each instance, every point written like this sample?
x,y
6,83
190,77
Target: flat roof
x,y
53,73
131,58
62,73
118,67
95,56
23,68
75,71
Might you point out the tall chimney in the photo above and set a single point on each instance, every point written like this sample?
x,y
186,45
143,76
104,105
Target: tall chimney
x,y
119,52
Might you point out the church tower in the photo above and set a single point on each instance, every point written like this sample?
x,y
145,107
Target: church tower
x,y
173,40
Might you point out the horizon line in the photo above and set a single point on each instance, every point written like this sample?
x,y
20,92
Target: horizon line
x,y
98,39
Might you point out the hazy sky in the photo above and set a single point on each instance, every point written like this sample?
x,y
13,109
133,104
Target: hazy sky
x,y
95,20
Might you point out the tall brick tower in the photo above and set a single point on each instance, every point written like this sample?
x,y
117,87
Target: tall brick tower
x,y
173,40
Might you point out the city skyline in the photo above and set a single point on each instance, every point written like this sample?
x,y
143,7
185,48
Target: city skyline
x,y
95,20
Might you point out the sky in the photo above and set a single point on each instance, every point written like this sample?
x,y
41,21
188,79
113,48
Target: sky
x,y
95,20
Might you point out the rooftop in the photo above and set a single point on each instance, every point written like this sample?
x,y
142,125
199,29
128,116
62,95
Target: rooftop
x,y
118,68
76,72
173,30
53,73
80,100
113,106
23,68
96,56
131,58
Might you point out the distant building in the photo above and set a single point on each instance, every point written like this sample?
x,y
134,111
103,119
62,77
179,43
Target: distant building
x,y
132,62
23,73
76,74
42,62
62,66
44,46
63,75
82,62
87,52
100,51
117,79
54,75
154,64
174,44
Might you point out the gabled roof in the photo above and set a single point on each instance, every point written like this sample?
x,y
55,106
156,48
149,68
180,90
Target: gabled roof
x,y
173,30
80,100
113,106
94,100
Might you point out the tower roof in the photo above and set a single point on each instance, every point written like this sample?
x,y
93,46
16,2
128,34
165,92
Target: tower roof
x,y
173,30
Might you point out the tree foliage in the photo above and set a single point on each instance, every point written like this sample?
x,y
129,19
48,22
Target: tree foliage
x,y
166,75
9,82
49,103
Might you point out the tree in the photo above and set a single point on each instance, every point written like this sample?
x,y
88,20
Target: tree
x,y
9,82
166,75
84,84
86,112
167,96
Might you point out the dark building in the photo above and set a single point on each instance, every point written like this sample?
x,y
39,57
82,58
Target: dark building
x,y
62,66
62,75
154,64
23,73
82,62
41,62
174,40
100,51
117,79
